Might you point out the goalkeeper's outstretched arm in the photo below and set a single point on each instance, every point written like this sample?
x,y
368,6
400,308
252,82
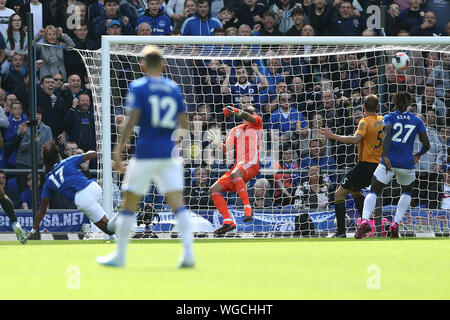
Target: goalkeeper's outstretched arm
x,y
228,110
327,133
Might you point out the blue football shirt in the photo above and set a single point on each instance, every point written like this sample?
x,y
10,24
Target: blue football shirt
x,y
65,178
160,101
405,126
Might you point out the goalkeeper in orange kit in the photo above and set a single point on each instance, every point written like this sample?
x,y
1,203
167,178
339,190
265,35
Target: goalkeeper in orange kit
x,y
245,139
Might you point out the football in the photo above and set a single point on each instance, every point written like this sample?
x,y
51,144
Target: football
x,y
400,61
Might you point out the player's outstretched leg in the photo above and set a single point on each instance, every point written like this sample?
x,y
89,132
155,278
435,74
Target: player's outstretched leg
x,y
8,208
221,206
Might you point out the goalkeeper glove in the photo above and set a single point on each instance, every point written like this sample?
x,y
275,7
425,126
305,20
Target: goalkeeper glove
x,y
229,110
215,136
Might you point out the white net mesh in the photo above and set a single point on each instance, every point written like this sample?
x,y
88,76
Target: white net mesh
x,y
308,87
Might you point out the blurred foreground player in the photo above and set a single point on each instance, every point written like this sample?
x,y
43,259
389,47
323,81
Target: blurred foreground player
x,y
400,129
245,139
156,105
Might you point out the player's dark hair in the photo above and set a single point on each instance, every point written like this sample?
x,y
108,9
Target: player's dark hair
x,y
218,30
17,101
402,100
46,77
371,103
50,154
298,11
269,13
202,1
106,1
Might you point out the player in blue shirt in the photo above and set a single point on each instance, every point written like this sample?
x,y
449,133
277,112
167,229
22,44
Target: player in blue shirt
x,y
65,178
400,129
156,105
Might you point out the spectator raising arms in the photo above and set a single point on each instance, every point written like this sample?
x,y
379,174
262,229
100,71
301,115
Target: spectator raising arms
x,y
13,72
53,56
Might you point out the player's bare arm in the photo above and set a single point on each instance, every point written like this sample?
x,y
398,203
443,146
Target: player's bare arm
x,y
263,81
128,130
224,87
88,156
423,137
386,144
40,215
327,133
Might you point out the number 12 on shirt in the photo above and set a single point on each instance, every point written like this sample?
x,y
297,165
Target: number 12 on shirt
x,y
165,103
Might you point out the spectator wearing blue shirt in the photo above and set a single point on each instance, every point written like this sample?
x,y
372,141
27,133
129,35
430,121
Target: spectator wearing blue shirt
x,y
243,87
16,118
315,158
346,23
286,118
273,75
412,16
159,21
26,197
111,13
95,10
201,24
274,99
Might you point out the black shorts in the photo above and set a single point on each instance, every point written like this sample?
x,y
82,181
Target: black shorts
x,y
360,176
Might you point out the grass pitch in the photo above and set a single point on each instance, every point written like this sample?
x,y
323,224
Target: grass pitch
x,y
230,269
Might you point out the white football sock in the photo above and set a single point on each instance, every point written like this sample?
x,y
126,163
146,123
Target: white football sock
x,y
369,205
111,226
402,206
124,227
185,229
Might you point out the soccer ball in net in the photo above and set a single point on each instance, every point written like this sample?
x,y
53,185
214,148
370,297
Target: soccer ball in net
x,y
400,61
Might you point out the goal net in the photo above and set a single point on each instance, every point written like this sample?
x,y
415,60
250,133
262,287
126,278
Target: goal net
x,y
297,85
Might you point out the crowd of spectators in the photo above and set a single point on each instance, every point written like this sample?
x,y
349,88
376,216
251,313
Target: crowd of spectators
x,y
296,96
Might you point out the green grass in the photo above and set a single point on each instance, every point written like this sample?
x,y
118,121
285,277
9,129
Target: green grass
x,y
231,269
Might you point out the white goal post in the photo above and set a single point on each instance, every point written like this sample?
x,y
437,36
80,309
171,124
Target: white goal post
x,y
326,45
